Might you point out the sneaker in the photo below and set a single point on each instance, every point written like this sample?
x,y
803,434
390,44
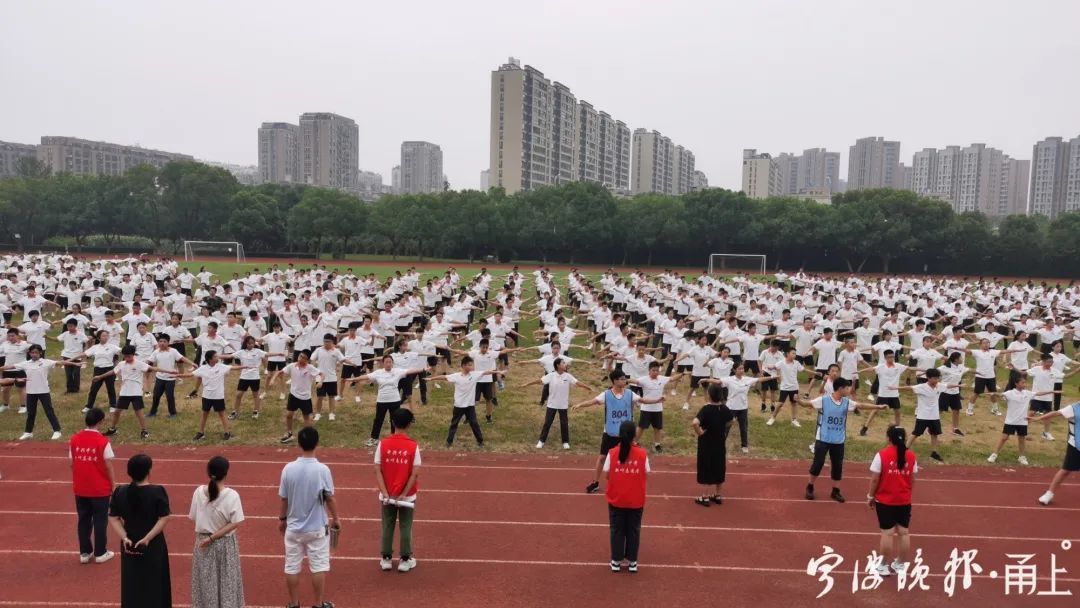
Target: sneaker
x,y
970,410
104,557
281,397
772,408
337,397
371,442
386,564
332,417
234,415
992,458
1047,436
1023,460
56,435
356,399
110,431
686,405
437,385
809,491
762,408
898,566
22,409
566,446
84,410
487,419
632,568
616,566
937,457
262,395
199,437
146,395
659,449
672,392
539,445
958,432
226,436
702,501
883,570
255,415
144,434
770,422
286,438
406,564
26,436
317,417
837,496
4,408
811,448
592,488
995,411
795,423
1046,498
746,450
112,410
862,431
84,558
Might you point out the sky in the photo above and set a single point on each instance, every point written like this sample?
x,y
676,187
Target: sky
x,y
198,77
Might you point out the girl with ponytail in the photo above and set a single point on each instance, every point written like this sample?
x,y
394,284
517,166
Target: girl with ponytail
x,y
893,476
626,466
216,581
138,513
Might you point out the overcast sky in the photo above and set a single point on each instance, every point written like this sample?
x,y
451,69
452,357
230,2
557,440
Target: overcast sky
x,y
198,76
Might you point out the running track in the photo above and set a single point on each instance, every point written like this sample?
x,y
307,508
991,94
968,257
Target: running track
x,y
517,531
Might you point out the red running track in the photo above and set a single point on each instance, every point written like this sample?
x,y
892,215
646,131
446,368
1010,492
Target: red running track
x,y
517,531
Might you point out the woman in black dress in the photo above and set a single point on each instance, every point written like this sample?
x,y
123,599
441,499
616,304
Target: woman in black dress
x,y
138,515
711,427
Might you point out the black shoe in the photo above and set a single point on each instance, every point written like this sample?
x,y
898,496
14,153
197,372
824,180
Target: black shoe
x,y
937,457
110,431
862,432
226,436
144,434
762,408
487,419
809,491
255,415
449,445
234,415
836,495
658,448
199,437
716,500
858,413
958,432
702,501
592,488
286,438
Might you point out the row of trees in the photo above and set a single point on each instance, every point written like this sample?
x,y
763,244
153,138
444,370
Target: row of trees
x,y
869,230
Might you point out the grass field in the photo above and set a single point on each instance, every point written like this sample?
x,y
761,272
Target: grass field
x,y
518,418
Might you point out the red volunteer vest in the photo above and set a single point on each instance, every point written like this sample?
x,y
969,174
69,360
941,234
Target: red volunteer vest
x,y
626,480
89,475
396,456
894,489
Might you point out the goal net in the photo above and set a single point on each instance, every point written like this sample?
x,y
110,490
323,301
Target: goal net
x,y
730,263
217,249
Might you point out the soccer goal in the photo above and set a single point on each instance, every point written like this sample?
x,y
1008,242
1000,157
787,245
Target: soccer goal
x,y
222,249
727,263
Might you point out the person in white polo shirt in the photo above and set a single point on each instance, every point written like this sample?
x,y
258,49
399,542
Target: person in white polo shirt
x,y
73,343
1017,402
37,369
651,415
1045,377
888,378
212,374
928,409
1071,414
559,383
465,399
738,390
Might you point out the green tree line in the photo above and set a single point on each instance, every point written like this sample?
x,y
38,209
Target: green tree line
x,y
862,231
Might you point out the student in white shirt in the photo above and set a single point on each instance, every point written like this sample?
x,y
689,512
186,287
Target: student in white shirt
x,y
37,370
327,358
212,374
387,381
276,345
301,376
651,387
131,373
1071,414
985,376
928,409
1017,402
165,358
951,400
1045,377
788,371
465,399
737,390
559,383
73,342
252,359
888,376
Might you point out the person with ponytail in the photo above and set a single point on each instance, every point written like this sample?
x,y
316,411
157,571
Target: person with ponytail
x,y
216,580
138,514
626,466
893,476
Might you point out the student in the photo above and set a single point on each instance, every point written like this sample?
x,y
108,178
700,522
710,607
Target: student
x,y
465,399
212,376
276,345
216,577
735,391
397,463
308,511
387,381
1045,377
711,426
36,370
327,359
138,513
651,415
103,356
627,467
130,371
892,479
788,371
167,359
618,402
93,479
73,342
830,440
985,376
1071,413
559,383
769,358
1017,401
251,359
952,374
12,352
888,378
928,409
301,376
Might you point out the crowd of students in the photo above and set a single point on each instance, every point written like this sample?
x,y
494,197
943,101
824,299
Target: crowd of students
x,y
310,335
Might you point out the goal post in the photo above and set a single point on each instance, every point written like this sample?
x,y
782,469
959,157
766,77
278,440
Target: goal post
x,y
726,263
193,249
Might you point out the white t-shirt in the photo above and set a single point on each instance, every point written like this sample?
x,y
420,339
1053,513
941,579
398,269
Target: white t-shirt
x,y
1019,359
165,360
559,386
73,344
738,388
249,357
277,343
1043,380
984,362
1016,406
889,377
926,400
826,352
301,379
652,389
464,388
789,375
131,377
213,380
327,362
209,517
37,375
102,355
952,375
387,383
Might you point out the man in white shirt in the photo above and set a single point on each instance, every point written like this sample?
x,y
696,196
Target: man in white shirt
x,y
1017,401
651,415
212,374
788,371
1071,414
928,409
1045,378
559,383
465,399
888,377
73,343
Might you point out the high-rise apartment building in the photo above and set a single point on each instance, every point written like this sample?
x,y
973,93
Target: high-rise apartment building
x,y
1014,187
485,180
329,150
874,163
787,165
817,171
1072,179
85,157
923,171
683,170
395,179
279,153
10,153
971,178
653,161
1055,177
542,135
762,175
421,167
701,182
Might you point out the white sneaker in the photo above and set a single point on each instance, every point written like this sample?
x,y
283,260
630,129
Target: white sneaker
x,y
539,445
112,410
1046,498
1023,460
566,446
3,408
386,564
281,397
686,405
437,385
795,423
970,410
262,395
672,392
337,397
104,557
332,417
26,436
898,566
56,435
770,422
85,409
746,450
693,394
356,399
22,409
1047,436
811,448
995,411
883,570
317,417
406,564
992,457
84,558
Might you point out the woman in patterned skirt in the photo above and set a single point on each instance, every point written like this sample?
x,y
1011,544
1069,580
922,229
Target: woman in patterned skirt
x,y
216,581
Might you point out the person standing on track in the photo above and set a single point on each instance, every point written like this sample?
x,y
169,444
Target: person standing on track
x,y
397,459
92,479
892,479
711,427
308,512
627,467
138,514
216,579
1071,414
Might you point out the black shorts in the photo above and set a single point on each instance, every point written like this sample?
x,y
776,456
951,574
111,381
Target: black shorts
x,y
651,419
921,426
892,402
328,389
867,357
485,390
792,396
504,359
948,402
920,380
751,367
1020,430
985,385
1040,406
1072,459
15,373
135,403
405,386
606,443
684,369
695,381
890,516
274,366
804,359
295,403
637,390
820,374
247,385
770,385
216,405
351,371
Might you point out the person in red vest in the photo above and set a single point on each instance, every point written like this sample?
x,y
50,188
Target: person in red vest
x,y
93,479
397,460
893,475
626,466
